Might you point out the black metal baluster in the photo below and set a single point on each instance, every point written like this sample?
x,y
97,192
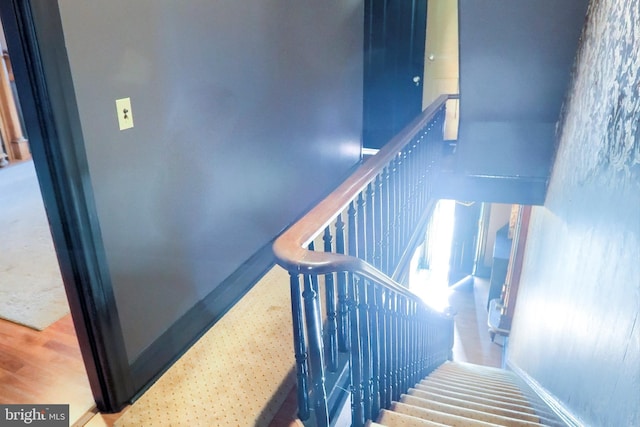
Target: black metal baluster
x,y
423,163
355,357
378,220
370,238
361,233
410,190
352,214
415,180
414,340
300,349
393,215
385,220
406,210
375,329
424,169
315,351
422,332
410,348
330,301
396,343
404,348
401,347
433,343
399,209
383,315
343,322
365,345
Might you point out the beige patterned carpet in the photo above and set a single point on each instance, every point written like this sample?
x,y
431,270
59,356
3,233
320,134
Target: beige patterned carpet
x,y
31,290
237,374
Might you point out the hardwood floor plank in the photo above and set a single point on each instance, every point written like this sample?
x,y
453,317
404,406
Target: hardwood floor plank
x,y
43,367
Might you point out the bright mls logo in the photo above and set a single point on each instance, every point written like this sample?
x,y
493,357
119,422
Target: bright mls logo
x,y
34,415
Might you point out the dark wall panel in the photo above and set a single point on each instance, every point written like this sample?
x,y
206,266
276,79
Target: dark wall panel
x,y
245,113
576,329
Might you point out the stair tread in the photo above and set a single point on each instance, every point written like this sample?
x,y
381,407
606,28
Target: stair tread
x,y
477,380
439,417
476,414
487,407
396,419
529,399
462,395
476,368
515,393
508,389
489,373
512,399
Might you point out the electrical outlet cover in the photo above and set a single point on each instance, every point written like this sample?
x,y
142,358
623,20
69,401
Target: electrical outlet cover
x,y
125,115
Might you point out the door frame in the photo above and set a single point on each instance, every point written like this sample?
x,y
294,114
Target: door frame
x,y
52,122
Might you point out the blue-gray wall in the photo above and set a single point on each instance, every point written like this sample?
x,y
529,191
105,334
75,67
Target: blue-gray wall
x,y
245,113
515,66
576,329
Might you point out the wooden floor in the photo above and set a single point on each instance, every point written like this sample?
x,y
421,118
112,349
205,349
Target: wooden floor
x,y
472,342
41,367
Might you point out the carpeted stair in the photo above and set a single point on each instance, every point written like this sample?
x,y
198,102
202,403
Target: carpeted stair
x,y
462,394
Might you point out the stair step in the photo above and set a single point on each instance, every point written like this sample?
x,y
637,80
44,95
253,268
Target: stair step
x,y
396,419
525,414
499,401
474,382
463,394
473,399
475,379
439,417
473,389
478,370
514,384
462,390
476,414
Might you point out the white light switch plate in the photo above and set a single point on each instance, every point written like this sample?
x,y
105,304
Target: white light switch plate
x,y
125,115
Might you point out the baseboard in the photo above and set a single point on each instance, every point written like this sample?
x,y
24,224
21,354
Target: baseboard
x,y
173,343
553,402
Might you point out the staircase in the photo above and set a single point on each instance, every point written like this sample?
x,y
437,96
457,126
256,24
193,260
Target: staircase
x,y
462,394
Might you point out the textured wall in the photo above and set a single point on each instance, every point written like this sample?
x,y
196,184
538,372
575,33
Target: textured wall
x,y
245,113
576,329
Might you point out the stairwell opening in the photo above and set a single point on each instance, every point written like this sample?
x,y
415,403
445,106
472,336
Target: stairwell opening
x,y
429,275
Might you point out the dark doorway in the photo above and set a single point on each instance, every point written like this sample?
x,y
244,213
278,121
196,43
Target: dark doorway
x,y
394,47
50,120
465,236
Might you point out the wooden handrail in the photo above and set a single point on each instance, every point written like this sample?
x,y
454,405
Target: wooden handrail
x,y
391,336
291,247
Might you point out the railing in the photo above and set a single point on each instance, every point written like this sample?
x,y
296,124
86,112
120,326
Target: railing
x,y
368,228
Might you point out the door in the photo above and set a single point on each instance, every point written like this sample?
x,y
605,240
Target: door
x,y
61,169
465,236
395,32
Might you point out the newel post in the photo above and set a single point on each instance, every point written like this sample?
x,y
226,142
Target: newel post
x,y
300,348
316,350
